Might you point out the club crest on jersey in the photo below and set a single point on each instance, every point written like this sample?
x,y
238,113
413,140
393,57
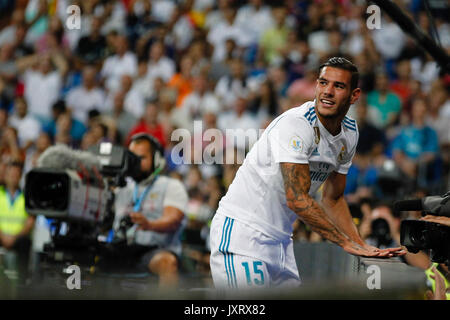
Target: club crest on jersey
x,y
296,144
342,155
316,135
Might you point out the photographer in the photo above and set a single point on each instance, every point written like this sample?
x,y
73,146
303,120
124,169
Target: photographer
x,y
155,205
379,227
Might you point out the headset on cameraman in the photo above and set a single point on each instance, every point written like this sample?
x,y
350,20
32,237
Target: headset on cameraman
x,y
159,162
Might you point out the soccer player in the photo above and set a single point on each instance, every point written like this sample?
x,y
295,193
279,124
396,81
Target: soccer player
x,y
303,148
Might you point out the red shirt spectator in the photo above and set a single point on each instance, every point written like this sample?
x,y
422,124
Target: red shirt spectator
x,y
149,124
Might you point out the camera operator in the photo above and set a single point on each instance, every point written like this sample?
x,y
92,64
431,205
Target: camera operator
x,y
155,205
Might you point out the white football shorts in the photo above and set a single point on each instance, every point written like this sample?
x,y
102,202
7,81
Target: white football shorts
x,y
245,258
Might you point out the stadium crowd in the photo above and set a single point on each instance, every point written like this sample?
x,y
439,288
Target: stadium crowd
x,y
156,66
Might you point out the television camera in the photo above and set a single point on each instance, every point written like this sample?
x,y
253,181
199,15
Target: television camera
x,y
418,235
75,190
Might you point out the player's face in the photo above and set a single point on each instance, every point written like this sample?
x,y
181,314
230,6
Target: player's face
x,y
142,149
333,92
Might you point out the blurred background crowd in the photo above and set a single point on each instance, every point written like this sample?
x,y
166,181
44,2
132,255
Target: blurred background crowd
x,y
157,65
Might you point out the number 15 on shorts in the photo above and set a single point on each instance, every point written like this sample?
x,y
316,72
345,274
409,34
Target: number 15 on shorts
x,y
254,272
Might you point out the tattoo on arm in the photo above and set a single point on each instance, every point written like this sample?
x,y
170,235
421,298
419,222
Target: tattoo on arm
x,y
297,183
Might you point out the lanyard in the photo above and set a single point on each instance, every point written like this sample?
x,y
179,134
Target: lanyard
x,y
137,200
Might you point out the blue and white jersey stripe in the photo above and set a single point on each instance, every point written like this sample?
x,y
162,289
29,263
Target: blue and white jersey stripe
x,y
349,123
227,256
310,115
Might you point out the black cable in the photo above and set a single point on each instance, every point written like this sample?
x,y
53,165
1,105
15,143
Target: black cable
x,y
432,24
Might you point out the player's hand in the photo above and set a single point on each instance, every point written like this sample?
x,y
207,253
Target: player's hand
x,y
372,252
139,219
388,252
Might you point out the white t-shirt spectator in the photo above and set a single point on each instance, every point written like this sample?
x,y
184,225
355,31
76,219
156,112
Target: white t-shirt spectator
x,y
389,40
134,103
41,91
253,23
227,93
195,104
246,122
221,32
81,101
28,128
163,68
115,67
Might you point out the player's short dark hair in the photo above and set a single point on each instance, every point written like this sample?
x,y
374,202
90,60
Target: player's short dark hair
x,y
342,63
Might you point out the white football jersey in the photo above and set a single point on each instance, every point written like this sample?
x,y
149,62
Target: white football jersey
x,y
257,196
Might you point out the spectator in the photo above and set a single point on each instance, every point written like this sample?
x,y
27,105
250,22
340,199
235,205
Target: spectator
x,y
275,38
402,86
143,84
182,81
199,101
9,147
253,19
63,128
415,149
92,47
54,39
371,139
224,30
389,41
302,90
159,65
41,144
8,75
264,105
43,85
36,16
134,101
149,124
121,63
122,119
230,87
384,105
239,118
7,34
27,127
82,99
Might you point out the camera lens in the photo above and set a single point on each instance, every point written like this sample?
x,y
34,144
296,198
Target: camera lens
x,y
47,191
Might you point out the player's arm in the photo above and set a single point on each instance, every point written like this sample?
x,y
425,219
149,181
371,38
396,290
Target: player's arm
x,y
336,207
297,183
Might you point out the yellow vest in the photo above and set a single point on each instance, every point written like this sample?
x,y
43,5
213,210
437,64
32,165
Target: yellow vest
x,y
430,272
12,217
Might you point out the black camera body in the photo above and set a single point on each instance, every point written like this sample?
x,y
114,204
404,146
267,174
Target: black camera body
x,y
418,235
